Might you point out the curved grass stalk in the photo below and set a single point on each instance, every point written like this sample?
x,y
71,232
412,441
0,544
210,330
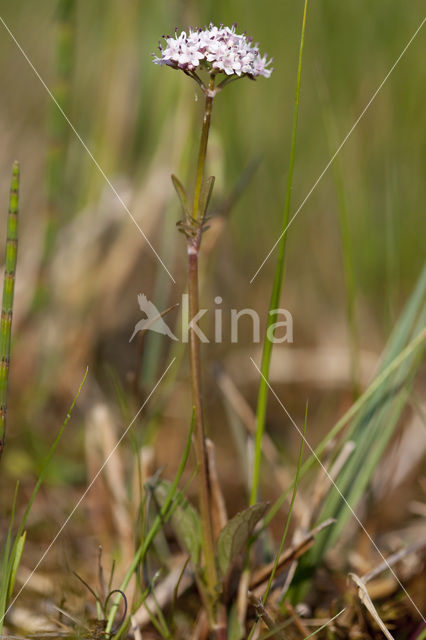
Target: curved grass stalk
x,y
277,286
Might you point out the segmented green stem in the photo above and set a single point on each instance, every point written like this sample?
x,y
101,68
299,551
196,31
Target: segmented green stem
x,y
277,286
7,303
58,131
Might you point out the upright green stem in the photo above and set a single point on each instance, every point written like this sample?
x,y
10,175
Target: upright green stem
x,y
277,286
7,304
203,147
193,245
200,444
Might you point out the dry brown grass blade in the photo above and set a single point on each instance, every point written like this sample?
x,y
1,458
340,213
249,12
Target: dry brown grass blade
x,y
219,515
296,620
137,633
242,597
201,627
393,559
263,613
101,439
165,592
262,575
368,604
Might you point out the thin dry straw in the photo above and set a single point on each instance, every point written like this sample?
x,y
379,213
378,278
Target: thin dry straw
x,y
7,304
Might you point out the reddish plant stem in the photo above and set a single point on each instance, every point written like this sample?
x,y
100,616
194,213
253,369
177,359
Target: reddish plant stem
x,y
200,444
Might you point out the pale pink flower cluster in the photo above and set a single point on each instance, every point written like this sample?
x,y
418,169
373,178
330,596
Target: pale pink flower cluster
x,y
216,48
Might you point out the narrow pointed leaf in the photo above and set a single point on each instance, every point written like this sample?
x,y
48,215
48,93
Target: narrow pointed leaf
x,y
206,192
184,521
234,536
5,562
15,563
374,426
182,195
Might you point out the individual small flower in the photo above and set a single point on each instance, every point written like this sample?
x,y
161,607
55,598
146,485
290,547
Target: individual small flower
x,y
216,49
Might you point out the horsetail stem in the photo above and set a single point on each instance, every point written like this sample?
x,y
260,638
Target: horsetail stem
x,y
7,303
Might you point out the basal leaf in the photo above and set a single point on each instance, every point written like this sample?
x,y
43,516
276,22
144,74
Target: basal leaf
x,y
234,536
184,521
15,563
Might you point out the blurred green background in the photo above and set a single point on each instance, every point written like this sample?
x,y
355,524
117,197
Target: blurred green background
x,y
122,103
141,122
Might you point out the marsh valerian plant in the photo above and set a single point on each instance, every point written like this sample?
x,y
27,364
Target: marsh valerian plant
x,y
213,57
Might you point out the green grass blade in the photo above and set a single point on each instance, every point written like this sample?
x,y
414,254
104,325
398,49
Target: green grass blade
x,y
356,408
11,559
9,534
373,426
5,563
7,303
49,456
371,432
16,559
277,286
